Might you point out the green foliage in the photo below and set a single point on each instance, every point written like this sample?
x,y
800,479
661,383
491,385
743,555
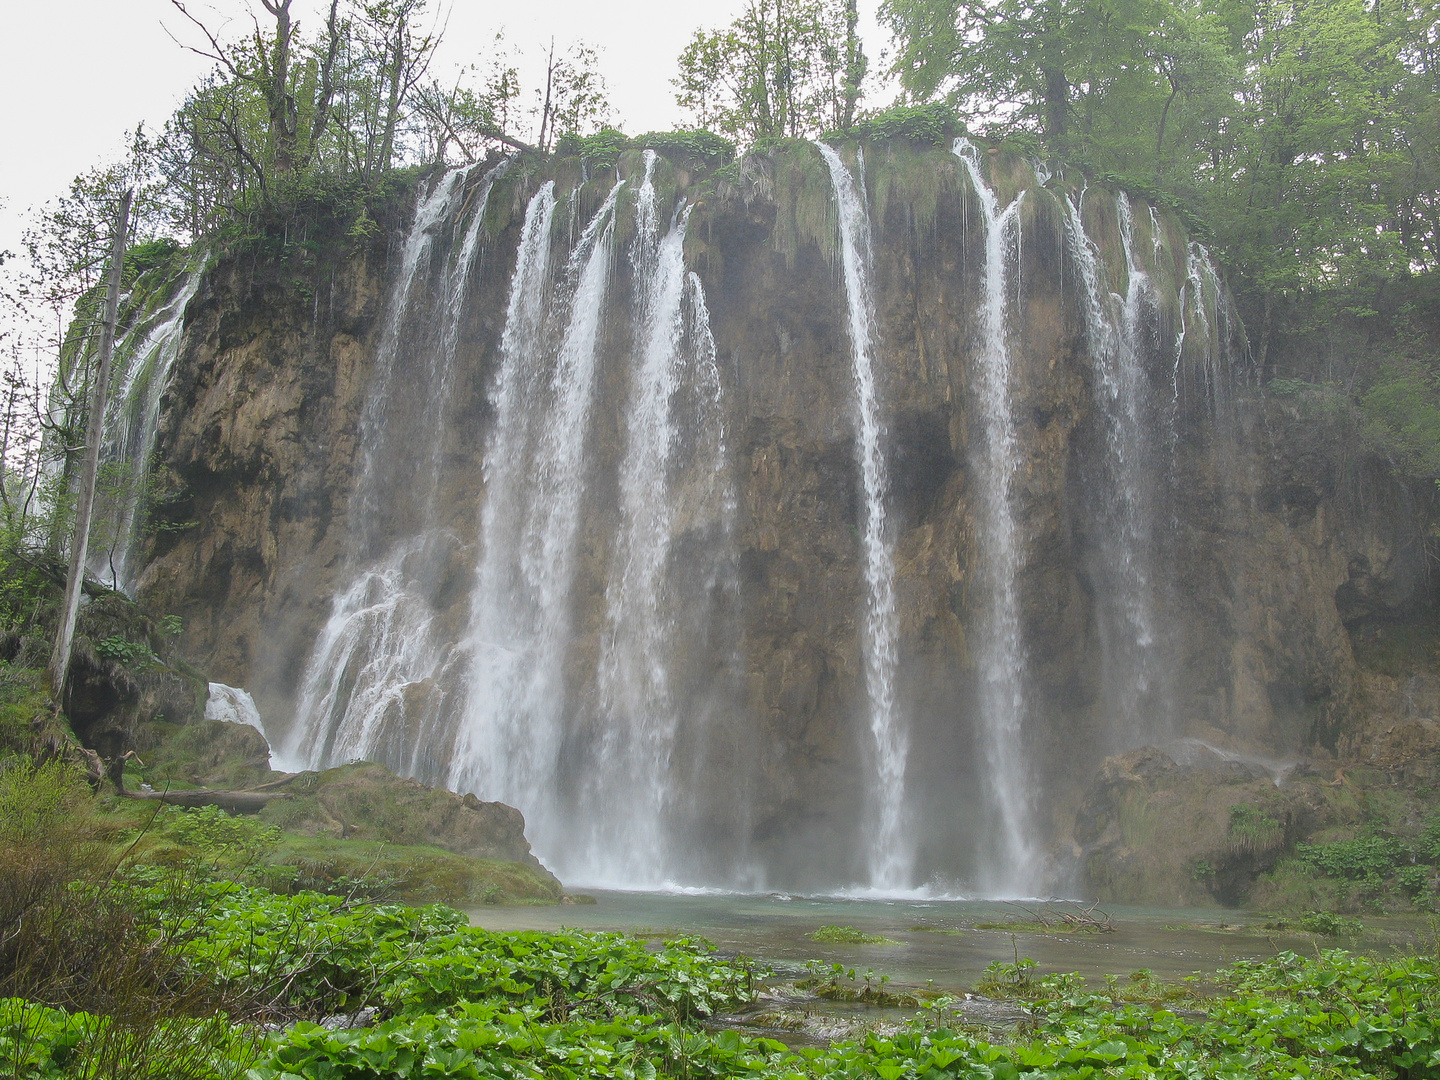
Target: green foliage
x,y
1301,138
793,71
37,801
599,151
699,142
1252,829
1368,860
929,124
149,255
215,834
848,935
1009,979
1401,420
124,651
323,954
1324,923
461,1002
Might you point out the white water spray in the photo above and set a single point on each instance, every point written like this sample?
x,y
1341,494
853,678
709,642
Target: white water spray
x,y
380,638
1010,866
1128,503
508,743
890,855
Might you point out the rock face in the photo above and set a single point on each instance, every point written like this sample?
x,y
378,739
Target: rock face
x,y
1190,550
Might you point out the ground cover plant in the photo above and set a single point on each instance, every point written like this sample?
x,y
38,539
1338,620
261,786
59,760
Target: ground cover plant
x,y
431,996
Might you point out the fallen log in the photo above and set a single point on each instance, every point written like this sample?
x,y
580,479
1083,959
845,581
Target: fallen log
x,y
232,802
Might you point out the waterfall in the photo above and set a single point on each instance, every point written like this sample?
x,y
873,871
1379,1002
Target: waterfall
x,y
1010,866
629,786
381,639
889,855
508,743
146,356
231,705
1127,504
1202,298
375,481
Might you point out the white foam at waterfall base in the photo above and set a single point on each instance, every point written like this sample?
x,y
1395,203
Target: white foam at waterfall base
x,y
891,852
1009,859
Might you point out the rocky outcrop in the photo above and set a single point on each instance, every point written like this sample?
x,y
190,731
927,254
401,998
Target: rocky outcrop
x,y
365,801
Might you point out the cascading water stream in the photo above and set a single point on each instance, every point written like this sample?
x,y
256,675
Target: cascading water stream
x,y
131,426
1135,430
1011,863
380,637
630,784
508,743
890,854
377,434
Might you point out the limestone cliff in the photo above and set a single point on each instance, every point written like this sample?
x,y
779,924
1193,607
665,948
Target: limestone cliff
x,y
1259,545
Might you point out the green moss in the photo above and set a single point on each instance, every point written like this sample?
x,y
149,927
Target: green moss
x,y
915,179
413,873
1252,829
1397,649
799,181
599,151
848,935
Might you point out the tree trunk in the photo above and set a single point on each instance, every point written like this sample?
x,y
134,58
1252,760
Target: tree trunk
x,y
94,433
392,107
327,86
545,109
1057,106
855,66
279,102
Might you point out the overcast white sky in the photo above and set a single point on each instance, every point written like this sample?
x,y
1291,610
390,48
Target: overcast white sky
x,y
76,74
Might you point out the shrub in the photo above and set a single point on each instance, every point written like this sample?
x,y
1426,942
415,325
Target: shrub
x,y
700,143
927,124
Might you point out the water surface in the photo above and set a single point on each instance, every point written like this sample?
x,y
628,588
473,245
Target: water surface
x,y
938,940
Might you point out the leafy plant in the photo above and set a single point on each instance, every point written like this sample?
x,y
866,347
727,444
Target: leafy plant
x,y
123,650
214,833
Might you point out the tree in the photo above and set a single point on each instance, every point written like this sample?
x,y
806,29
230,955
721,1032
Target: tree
x,y
60,657
265,62
466,116
575,100
781,69
1030,63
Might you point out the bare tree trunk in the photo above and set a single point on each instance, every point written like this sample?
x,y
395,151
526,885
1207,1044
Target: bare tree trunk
x,y
327,86
392,108
545,109
94,433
